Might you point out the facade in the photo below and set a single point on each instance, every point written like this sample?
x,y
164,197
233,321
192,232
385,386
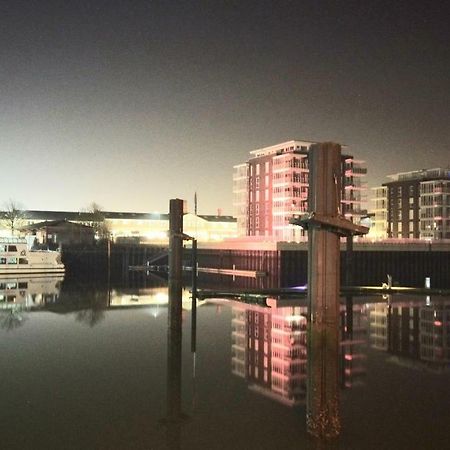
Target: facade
x,y
140,227
414,205
378,230
272,187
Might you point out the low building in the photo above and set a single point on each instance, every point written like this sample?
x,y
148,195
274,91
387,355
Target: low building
x,y
59,232
139,227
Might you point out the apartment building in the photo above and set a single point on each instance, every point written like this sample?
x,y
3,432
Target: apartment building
x,y
272,186
414,205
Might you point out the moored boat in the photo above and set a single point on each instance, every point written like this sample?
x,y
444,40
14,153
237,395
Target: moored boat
x,y
16,258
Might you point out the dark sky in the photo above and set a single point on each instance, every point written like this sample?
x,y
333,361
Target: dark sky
x,y
130,103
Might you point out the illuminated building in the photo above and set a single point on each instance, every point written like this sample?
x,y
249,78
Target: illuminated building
x,y
143,227
414,205
378,230
272,187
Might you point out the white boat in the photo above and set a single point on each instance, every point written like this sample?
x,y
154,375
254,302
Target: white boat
x,y
17,258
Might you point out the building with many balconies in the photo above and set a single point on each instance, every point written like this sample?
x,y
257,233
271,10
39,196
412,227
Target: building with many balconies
x,y
272,187
413,205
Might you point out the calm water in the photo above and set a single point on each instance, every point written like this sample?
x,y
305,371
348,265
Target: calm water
x,y
84,368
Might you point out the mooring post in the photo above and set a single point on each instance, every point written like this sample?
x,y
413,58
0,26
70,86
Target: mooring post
x,y
325,225
174,337
194,296
322,408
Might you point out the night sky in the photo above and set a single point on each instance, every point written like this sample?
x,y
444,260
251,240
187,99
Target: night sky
x,y
130,103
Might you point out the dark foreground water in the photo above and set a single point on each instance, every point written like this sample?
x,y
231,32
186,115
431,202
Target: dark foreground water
x,y
84,368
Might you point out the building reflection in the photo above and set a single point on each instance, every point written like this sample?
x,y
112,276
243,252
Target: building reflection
x,y
415,332
269,349
269,343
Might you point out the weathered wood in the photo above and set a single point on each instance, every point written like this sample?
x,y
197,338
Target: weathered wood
x,y
174,335
322,405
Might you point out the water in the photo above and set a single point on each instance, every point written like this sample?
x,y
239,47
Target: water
x,y
83,367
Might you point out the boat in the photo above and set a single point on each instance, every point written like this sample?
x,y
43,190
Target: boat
x,y
16,257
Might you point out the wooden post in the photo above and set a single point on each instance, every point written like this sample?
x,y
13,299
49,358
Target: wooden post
x,y
325,225
322,407
174,337
194,296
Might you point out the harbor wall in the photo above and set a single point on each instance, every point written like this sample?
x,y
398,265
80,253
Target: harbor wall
x,y
284,266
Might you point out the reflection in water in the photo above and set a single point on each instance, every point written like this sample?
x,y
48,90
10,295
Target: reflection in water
x,y
115,375
417,334
23,295
174,357
29,292
18,295
269,344
12,318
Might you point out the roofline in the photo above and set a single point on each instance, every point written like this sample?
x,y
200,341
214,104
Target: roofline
x,y
271,148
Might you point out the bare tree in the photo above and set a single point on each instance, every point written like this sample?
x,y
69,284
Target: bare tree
x,y
12,216
97,220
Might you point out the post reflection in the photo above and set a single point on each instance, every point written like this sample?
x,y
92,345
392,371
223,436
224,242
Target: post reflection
x,y
173,381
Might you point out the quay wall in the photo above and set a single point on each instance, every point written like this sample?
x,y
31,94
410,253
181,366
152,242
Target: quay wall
x,y
285,265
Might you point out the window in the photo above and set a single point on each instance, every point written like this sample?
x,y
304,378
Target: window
x,y
12,248
23,261
11,260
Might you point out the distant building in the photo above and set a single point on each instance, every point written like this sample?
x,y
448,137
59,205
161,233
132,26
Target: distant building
x,y
142,227
56,232
272,187
414,205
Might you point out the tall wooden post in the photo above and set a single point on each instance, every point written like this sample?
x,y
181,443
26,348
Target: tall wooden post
x,y
325,225
174,337
322,407
194,297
